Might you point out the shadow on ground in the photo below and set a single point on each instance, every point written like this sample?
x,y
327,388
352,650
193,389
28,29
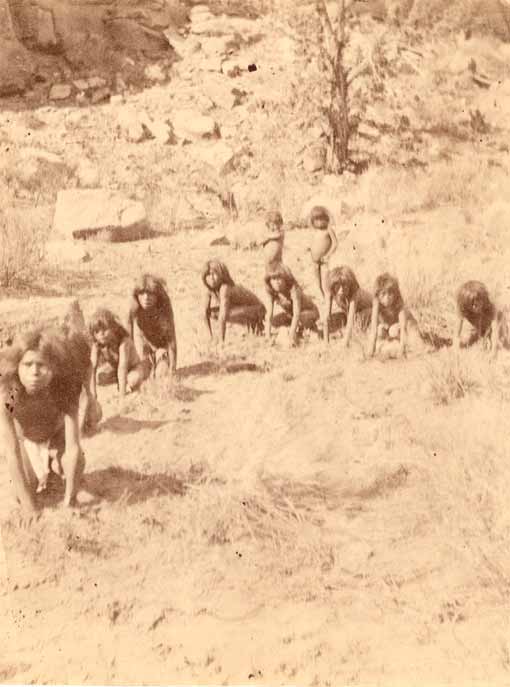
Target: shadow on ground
x,y
132,487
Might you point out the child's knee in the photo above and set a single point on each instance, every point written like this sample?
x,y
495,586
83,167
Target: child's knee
x,y
394,331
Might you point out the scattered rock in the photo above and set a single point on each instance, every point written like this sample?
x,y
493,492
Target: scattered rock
x,y
221,240
195,210
217,154
131,126
188,124
99,213
60,92
96,82
231,68
314,159
102,95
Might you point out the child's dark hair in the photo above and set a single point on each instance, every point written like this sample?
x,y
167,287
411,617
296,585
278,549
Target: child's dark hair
x,y
387,282
104,319
344,276
68,366
474,293
149,283
274,217
280,272
319,212
218,267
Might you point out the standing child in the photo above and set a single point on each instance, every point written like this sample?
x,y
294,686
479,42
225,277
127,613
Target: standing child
x,y
151,325
113,356
324,243
298,310
342,287
390,318
41,379
229,302
273,240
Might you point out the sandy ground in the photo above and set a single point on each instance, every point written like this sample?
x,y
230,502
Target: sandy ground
x,y
273,516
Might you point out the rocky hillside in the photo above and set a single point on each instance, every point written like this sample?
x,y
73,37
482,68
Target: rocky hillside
x,y
48,43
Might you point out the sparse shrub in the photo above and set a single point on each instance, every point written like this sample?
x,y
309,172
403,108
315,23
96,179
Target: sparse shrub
x,y
21,249
450,378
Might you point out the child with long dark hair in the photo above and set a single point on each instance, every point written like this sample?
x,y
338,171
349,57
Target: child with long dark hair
x,y
298,311
342,287
152,326
41,378
114,358
229,302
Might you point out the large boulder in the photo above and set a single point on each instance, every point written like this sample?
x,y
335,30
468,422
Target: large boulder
x,y
99,213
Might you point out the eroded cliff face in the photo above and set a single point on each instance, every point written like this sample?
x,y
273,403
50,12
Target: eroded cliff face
x,y
47,40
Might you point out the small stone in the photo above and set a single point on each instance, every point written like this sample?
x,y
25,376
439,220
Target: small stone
x,y
100,96
189,124
96,82
314,159
81,84
60,92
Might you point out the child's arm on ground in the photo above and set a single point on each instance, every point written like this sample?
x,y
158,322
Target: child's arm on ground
x,y
269,304
457,333
172,346
403,321
94,362
373,327
72,456
206,311
122,370
224,310
350,322
495,333
12,451
327,306
296,298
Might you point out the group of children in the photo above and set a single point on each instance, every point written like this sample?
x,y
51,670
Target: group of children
x,y
49,377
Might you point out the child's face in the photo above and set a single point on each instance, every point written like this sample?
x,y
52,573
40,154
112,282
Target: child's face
x,y
35,372
320,223
103,336
213,280
387,297
277,284
147,299
274,228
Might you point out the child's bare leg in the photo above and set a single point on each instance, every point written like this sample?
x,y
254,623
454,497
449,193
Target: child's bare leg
x,y
161,363
382,332
394,331
318,276
138,375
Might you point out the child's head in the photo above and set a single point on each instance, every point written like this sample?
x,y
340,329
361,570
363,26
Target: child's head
x,y
40,359
215,274
274,222
473,300
342,282
319,217
150,292
387,291
106,329
279,280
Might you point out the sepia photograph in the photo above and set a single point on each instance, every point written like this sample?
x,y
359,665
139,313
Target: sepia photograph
x,y
254,342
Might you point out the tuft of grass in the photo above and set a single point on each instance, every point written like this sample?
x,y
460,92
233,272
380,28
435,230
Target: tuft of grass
x,y
21,248
450,378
